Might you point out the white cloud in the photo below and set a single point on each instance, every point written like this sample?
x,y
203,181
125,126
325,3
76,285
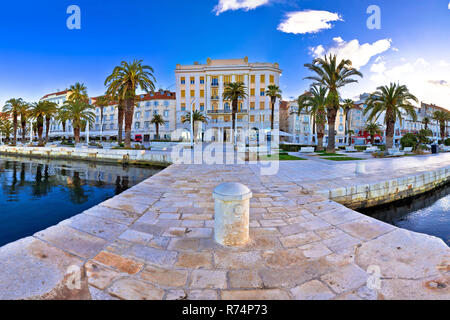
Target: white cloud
x,y
428,82
449,6
439,83
422,61
378,67
359,54
246,5
443,63
308,21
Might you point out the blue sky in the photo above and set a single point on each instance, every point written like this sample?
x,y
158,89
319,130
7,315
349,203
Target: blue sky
x,y
38,54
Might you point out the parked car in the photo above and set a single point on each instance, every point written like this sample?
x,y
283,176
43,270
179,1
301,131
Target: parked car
x,y
138,138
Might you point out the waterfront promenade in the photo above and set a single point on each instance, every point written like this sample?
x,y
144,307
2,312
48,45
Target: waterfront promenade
x,y
155,241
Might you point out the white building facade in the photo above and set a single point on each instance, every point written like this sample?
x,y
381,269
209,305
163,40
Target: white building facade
x,y
201,87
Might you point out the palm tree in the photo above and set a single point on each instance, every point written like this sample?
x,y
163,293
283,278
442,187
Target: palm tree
x,y
426,121
51,111
23,112
302,105
123,82
102,102
38,111
79,112
78,91
373,129
333,76
62,117
12,108
196,117
6,128
157,121
274,92
347,106
234,91
442,117
316,101
390,100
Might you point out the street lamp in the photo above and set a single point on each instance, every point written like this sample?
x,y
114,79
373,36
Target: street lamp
x,y
192,123
31,132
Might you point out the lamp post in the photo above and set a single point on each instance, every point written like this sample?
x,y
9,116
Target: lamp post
x,y
192,123
31,132
87,132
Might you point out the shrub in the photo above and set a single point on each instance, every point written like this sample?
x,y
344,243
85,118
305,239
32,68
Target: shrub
x,y
409,140
293,147
360,148
447,142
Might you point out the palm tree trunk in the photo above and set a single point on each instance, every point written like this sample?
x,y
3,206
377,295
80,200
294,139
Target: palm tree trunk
x,y
129,111
47,128
442,127
320,134
15,127
390,127
272,113
24,129
76,133
120,117
233,119
101,124
331,115
40,129
157,130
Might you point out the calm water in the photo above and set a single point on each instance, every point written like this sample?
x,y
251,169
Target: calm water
x,y
36,194
428,213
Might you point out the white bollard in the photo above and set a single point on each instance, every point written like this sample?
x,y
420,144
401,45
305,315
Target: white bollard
x,y
232,214
360,167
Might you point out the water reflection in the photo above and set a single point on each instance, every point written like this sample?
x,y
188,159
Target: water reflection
x,y
35,194
427,213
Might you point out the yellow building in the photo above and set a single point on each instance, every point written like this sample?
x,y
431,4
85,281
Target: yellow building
x,y
201,86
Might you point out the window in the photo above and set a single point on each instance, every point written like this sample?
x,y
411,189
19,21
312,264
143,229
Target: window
x,y
97,127
202,80
202,93
166,125
239,78
166,103
192,93
96,118
155,112
147,104
166,113
192,80
147,124
227,106
183,94
111,117
202,107
341,128
183,80
137,115
261,105
112,109
183,107
252,78
272,79
156,103
226,79
147,114
252,118
137,125
262,93
263,78
252,91
252,105
215,81
111,126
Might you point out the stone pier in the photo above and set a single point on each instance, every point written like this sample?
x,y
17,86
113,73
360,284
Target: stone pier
x,y
155,241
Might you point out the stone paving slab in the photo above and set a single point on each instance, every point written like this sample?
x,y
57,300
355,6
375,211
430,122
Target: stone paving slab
x,y
154,241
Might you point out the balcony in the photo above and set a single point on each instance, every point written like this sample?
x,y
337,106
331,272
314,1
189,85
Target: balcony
x,y
214,97
226,111
214,84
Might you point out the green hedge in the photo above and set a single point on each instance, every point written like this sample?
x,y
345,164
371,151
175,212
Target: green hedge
x,y
447,142
293,147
